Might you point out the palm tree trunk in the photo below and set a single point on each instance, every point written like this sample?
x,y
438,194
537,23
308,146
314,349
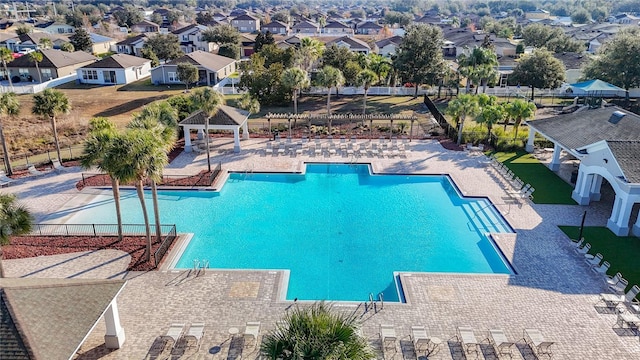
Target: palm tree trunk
x,y
5,151
532,90
1,264
364,106
156,210
115,186
147,227
4,63
295,101
54,126
40,78
415,93
329,101
460,130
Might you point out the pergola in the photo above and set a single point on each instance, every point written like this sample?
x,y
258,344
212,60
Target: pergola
x,y
329,119
607,143
227,118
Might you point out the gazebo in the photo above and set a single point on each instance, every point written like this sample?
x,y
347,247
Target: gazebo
x,y
597,88
227,118
607,143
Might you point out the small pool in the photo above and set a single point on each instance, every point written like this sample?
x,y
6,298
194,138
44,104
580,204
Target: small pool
x,y
340,231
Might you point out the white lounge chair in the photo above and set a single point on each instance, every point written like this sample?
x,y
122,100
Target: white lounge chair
x,y
612,280
57,165
195,333
467,340
500,344
620,286
602,269
578,243
4,179
593,260
251,333
584,250
173,334
613,300
535,340
268,150
35,172
420,338
388,337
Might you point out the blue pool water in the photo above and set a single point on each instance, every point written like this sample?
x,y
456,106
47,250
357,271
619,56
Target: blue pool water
x,y
340,231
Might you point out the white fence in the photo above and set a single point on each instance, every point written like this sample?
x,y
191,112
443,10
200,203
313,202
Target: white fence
x,y
36,88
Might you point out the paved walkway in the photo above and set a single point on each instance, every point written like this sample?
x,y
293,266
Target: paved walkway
x,y
553,290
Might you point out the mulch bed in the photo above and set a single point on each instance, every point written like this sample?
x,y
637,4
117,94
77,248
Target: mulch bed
x,y
32,246
450,144
199,179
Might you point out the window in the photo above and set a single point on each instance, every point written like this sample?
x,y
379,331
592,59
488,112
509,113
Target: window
x,y
60,31
185,37
23,72
89,75
172,77
45,72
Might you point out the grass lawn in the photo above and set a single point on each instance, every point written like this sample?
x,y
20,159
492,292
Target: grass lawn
x,y
550,188
622,252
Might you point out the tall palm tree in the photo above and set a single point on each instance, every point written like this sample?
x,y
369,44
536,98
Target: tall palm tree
x,y
36,57
51,103
15,219
520,110
379,65
365,78
478,65
102,134
45,43
208,100
295,79
465,105
162,121
6,56
490,115
9,105
329,77
309,51
316,332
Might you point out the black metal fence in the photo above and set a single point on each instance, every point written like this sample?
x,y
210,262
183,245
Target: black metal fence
x,y
165,245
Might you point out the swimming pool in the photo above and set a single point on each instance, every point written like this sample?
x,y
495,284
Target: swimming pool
x,y
340,231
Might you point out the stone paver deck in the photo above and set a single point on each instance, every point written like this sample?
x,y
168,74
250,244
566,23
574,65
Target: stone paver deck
x,y
553,289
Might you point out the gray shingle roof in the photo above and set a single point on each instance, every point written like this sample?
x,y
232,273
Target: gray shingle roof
x,y
53,316
353,42
11,346
205,59
226,115
627,154
52,58
118,61
132,40
583,128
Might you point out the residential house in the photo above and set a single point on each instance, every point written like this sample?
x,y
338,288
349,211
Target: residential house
x,y
32,40
389,46
191,39
247,44
351,43
337,28
115,69
220,17
52,27
144,27
429,19
131,45
9,40
368,28
306,27
54,64
246,23
624,19
573,63
212,68
101,44
276,28
504,47
537,14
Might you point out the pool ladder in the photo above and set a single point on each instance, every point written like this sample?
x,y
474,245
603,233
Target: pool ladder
x,y
199,266
373,303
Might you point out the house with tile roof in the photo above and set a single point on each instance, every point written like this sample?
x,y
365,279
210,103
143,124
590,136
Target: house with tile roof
x,y
101,44
115,69
131,45
351,43
246,23
212,68
368,28
30,41
306,27
276,28
337,28
389,46
145,26
54,64
53,27
606,142
191,39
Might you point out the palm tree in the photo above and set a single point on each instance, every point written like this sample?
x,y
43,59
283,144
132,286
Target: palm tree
x,y
365,78
15,219
316,332
520,110
9,105
460,108
309,51
6,56
162,121
490,115
36,57
45,43
295,79
208,100
379,65
51,103
477,66
102,134
329,77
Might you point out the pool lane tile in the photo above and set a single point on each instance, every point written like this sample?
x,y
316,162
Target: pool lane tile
x,y
244,290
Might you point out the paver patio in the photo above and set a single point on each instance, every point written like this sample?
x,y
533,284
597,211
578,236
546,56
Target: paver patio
x,y
553,289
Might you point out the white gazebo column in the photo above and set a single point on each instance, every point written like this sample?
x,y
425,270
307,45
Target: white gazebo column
x,y
596,185
187,139
245,131
236,139
635,230
618,223
114,337
555,161
532,135
581,194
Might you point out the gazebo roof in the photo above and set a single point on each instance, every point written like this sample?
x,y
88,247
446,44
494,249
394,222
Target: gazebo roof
x,y
596,85
226,116
627,154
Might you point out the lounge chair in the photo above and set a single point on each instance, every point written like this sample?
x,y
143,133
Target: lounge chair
x,y
195,333
500,344
251,333
613,300
593,260
4,179
419,338
269,149
35,172
537,343
173,334
578,243
584,250
467,340
57,165
612,280
630,319
602,269
388,337
620,286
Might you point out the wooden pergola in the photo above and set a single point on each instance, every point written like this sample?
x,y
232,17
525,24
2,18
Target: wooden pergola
x,y
329,119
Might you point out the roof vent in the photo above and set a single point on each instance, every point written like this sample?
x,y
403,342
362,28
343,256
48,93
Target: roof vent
x,y
616,117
